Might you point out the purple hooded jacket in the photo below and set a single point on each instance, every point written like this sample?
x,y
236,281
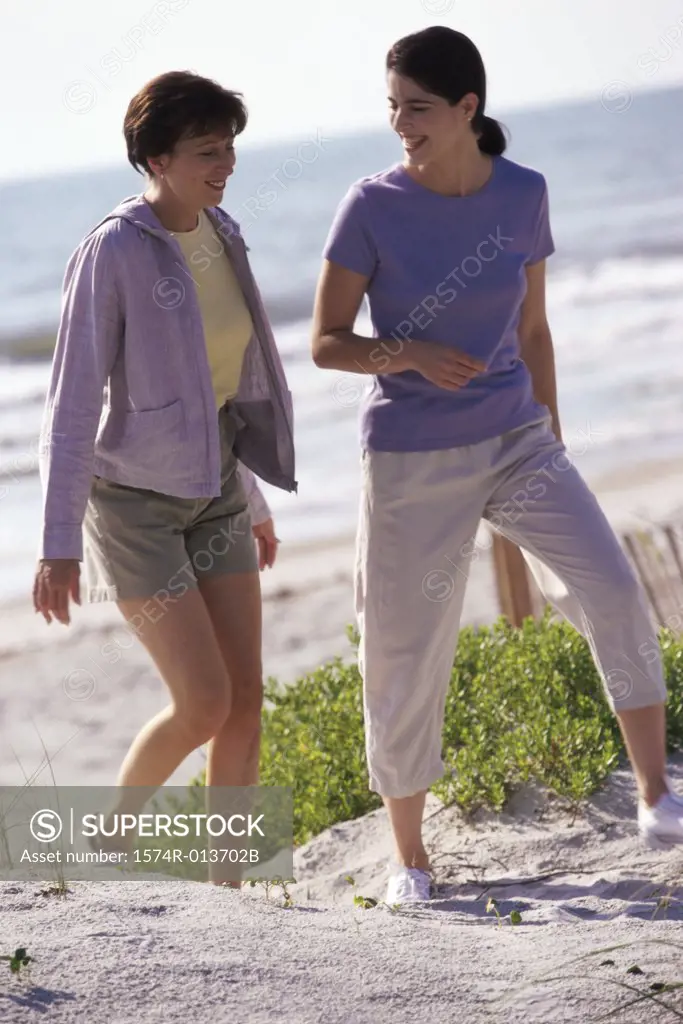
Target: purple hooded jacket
x,y
130,396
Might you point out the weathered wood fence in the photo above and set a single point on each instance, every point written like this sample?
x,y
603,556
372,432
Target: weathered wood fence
x,y
655,554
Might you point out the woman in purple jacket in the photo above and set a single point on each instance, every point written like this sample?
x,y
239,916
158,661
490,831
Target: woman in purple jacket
x,y
167,395
461,424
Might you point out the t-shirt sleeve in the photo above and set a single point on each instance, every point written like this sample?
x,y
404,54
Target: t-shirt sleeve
x,y
349,241
542,244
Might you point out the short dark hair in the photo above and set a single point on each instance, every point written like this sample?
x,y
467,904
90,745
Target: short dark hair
x,y
178,105
446,63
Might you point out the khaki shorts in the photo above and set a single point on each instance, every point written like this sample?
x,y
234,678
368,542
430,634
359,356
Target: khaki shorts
x,y
142,544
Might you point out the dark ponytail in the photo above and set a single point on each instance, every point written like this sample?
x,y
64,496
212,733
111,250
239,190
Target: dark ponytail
x,y
447,63
490,135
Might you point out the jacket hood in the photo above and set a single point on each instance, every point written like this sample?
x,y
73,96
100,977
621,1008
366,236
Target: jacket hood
x,y
137,211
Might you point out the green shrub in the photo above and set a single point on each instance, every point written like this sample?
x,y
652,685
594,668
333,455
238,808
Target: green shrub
x,y
523,704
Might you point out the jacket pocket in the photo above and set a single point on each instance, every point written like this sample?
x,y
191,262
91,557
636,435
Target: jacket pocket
x,y
149,439
168,417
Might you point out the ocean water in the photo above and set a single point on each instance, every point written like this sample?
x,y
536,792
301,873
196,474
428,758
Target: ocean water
x,y
615,297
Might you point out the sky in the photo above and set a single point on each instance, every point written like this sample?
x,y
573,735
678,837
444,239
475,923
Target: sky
x,y
69,69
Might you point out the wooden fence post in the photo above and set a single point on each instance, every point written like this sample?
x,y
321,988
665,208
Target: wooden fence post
x,y
512,581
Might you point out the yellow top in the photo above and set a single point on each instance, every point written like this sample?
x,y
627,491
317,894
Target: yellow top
x,y
227,321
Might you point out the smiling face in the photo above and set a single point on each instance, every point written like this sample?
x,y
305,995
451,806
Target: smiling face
x,y
197,169
428,126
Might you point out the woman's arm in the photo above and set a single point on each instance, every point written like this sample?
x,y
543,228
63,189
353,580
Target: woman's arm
x,y
258,506
334,345
262,523
536,343
90,331
351,260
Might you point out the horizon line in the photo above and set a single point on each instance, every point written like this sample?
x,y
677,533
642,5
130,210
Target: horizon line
x,y
347,132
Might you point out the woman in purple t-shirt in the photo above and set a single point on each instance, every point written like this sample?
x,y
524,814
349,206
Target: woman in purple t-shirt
x,y
462,424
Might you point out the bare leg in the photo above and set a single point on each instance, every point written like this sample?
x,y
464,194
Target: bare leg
x,y
405,815
183,647
234,605
644,732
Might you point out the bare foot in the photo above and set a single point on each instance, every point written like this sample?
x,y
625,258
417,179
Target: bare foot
x,y
114,843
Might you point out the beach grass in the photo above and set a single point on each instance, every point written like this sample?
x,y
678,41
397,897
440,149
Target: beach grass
x,y
57,884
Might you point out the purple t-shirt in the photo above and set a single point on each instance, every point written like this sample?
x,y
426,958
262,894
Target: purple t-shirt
x,y
449,270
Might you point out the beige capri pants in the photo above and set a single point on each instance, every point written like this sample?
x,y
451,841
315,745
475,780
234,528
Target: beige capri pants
x,y
419,515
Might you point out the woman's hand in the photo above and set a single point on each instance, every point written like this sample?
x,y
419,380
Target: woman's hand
x,y
443,365
267,543
56,580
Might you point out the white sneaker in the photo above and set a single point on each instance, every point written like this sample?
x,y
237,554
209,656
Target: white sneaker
x,y
408,885
661,826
